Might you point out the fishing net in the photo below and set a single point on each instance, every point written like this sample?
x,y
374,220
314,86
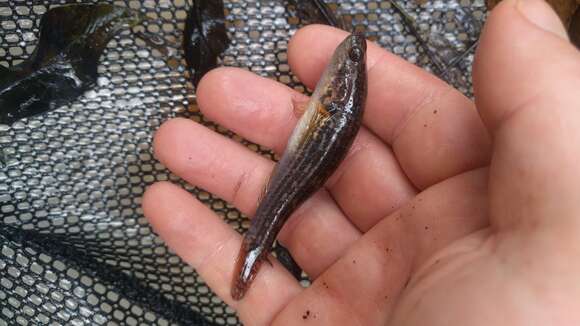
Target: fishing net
x,y
75,248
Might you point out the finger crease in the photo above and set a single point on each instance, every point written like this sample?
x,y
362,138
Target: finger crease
x,y
503,119
348,306
217,248
426,99
243,179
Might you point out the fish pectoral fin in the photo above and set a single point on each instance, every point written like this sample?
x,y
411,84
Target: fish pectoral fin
x,y
317,120
322,114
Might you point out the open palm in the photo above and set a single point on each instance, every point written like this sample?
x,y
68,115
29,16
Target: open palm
x,y
427,221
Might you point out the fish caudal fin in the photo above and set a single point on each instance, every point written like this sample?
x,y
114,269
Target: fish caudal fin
x,y
247,265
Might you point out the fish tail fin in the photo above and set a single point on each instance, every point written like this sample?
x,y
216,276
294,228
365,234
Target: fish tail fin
x,y
247,265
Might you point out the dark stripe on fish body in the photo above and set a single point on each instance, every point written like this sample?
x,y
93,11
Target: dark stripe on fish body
x,y
298,176
314,151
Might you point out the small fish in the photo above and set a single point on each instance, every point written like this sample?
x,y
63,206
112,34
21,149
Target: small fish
x,y
317,146
64,65
316,12
204,37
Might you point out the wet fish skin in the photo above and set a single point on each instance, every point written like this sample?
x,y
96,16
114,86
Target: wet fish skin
x,y
317,146
205,37
316,12
64,64
285,258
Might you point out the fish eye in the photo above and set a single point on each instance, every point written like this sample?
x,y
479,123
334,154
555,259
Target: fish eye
x,y
355,54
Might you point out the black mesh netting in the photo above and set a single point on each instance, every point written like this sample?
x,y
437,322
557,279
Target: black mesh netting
x,y
75,248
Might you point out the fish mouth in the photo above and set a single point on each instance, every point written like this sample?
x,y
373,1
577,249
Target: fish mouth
x,y
358,40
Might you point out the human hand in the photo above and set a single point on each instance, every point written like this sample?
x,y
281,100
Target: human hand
x,y
441,214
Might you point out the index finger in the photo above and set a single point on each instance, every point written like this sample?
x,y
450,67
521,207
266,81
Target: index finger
x,y
434,130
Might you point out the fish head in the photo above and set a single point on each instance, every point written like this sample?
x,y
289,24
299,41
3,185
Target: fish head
x,y
350,57
344,77
352,52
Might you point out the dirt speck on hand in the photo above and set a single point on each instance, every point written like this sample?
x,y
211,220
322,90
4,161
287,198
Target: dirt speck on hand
x,y
306,314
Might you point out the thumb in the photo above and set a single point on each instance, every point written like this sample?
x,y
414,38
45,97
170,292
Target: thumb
x,y
524,48
527,88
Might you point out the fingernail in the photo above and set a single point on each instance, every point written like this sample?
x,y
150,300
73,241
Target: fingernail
x,y
541,14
